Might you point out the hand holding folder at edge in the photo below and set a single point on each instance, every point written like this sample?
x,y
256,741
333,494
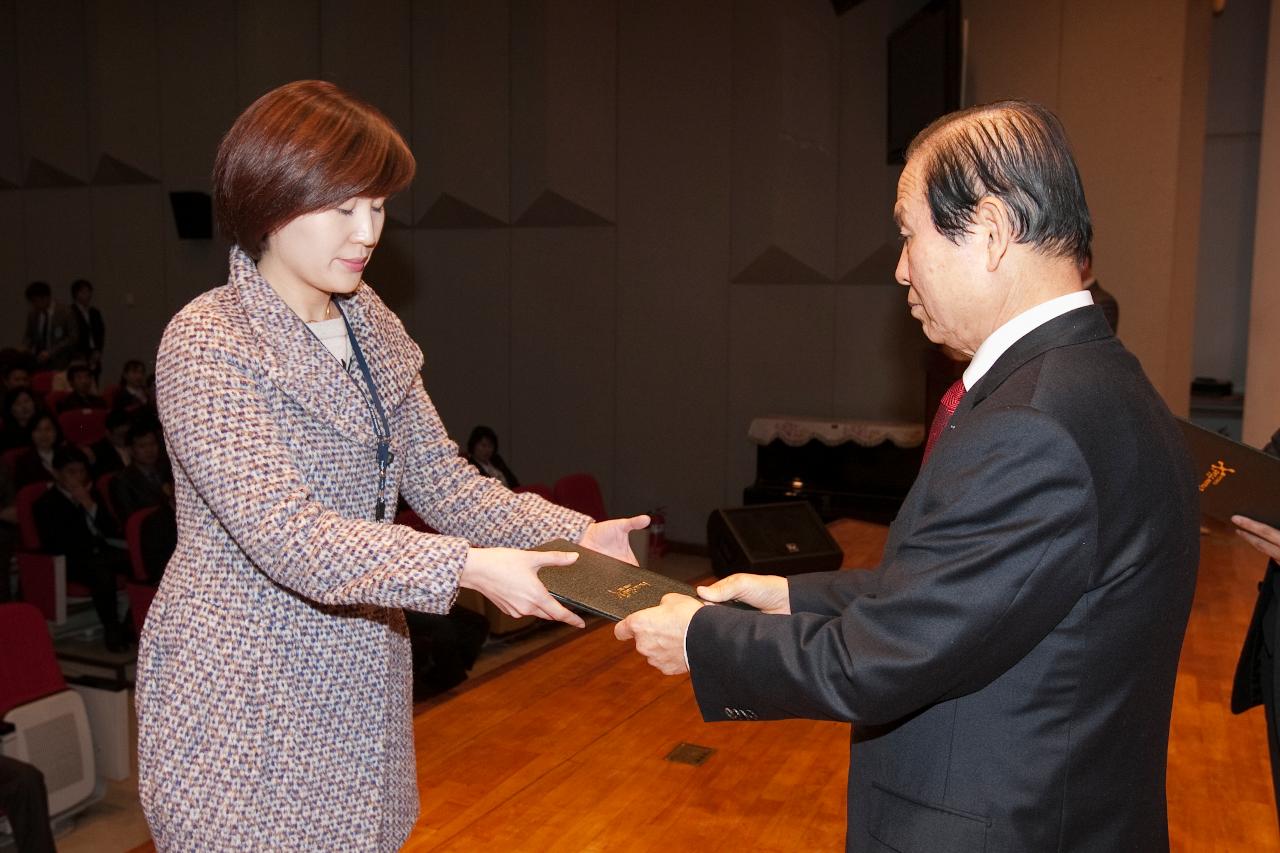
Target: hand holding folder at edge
x,y
659,631
1263,537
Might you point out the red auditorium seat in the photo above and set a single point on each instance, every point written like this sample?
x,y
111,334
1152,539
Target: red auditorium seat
x,y
580,492
84,426
42,382
139,588
540,489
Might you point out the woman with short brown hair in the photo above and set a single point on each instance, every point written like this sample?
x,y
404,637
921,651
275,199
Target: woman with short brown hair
x,y
274,674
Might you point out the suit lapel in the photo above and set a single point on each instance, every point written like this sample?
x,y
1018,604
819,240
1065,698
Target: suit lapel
x,y
1074,327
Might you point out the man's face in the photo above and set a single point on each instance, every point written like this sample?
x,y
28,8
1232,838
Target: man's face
x,y
17,378
39,303
82,382
84,297
72,475
146,450
947,288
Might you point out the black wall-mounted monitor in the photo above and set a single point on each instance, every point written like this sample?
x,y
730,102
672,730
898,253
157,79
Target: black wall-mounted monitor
x,y
925,71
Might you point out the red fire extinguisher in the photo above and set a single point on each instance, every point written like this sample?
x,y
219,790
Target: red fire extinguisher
x,y
658,532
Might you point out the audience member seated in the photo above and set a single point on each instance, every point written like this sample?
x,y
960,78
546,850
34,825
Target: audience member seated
x,y
50,332
482,452
132,394
36,464
111,453
16,376
19,407
83,394
24,799
72,522
90,330
146,482
8,528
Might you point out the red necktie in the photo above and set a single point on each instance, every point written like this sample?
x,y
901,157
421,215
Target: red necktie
x,y
946,409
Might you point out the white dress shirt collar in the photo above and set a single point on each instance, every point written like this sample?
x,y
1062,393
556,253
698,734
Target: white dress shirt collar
x,y
1011,332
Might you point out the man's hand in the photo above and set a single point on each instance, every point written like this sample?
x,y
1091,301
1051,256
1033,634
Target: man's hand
x,y
768,593
1264,537
611,537
659,632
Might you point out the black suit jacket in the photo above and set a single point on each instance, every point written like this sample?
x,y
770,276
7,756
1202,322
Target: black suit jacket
x,y
64,529
1009,665
90,333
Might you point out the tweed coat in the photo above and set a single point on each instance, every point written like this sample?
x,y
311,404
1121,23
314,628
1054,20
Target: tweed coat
x,y
274,688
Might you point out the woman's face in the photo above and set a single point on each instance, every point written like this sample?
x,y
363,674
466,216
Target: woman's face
x,y
325,251
135,376
44,435
484,449
22,408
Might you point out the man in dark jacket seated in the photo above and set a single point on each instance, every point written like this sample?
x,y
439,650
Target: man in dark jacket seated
x,y
146,482
83,395
73,523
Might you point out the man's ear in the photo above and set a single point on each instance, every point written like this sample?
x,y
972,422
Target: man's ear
x,y
995,227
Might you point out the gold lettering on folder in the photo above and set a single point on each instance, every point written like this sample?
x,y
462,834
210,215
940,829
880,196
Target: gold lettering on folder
x,y
1217,472
629,589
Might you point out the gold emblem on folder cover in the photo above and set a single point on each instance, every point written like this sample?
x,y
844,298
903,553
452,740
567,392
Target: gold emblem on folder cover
x,y
628,589
1217,472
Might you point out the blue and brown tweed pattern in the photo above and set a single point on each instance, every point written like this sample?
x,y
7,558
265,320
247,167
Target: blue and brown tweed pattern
x,y
274,671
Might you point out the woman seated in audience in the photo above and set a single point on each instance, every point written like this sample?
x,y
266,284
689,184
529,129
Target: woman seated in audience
x,y
20,406
482,452
111,452
36,464
133,392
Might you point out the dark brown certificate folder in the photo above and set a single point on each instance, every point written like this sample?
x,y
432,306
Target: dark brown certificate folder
x,y
606,587
1233,478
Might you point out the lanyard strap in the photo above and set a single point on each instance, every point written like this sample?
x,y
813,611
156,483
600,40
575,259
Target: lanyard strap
x,y
381,425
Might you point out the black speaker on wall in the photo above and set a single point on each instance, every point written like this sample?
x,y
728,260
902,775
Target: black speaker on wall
x,y
770,539
192,214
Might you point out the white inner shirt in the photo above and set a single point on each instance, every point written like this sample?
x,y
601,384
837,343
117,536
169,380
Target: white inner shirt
x,y
1011,332
333,334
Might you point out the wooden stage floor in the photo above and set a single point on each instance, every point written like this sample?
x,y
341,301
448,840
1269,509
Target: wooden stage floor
x,y
567,751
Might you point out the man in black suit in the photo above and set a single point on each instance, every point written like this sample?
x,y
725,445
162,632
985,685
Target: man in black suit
x,y
50,331
72,522
83,395
1009,666
91,332
1257,680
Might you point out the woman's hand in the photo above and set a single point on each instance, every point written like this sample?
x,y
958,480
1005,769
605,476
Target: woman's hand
x,y
611,537
509,578
1264,537
769,593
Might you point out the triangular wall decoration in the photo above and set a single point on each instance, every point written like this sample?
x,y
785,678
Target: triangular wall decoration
x,y
449,211
552,210
41,175
776,266
876,268
113,172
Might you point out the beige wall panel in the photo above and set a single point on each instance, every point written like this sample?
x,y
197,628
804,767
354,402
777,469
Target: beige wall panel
x,y
1129,141
1262,394
129,274
1015,50
563,111
57,232
12,164
879,355
673,266
461,90
786,67
124,75
367,48
781,362
51,57
1226,257
276,42
464,328
197,88
563,353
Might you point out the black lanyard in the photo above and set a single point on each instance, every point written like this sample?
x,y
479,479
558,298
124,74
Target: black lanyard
x,y
381,425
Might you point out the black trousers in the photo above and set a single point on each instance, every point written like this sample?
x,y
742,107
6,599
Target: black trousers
x,y
98,571
26,803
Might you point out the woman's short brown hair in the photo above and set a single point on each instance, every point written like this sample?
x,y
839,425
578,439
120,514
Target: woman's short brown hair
x,y
303,147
